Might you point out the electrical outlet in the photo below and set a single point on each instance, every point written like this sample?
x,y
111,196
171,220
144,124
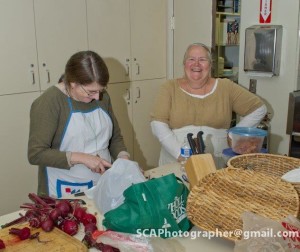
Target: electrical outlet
x,y
252,86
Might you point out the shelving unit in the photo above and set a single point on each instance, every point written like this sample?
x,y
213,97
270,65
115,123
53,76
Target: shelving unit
x,y
231,6
227,39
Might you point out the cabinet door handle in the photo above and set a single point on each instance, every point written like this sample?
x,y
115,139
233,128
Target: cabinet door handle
x,y
127,66
138,92
33,77
48,75
128,94
138,69
127,70
32,74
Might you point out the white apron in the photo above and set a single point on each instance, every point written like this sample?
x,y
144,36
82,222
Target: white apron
x,y
87,132
215,141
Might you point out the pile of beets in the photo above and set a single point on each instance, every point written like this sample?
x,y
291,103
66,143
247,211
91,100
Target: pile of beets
x,y
46,213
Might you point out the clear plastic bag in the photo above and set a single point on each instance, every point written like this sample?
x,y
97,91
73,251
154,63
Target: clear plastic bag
x,y
261,234
137,243
108,193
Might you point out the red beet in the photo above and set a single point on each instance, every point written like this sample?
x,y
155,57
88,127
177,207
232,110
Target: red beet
x,y
64,207
55,214
70,227
89,228
23,233
79,213
47,225
32,213
35,222
89,218
36,199
2,245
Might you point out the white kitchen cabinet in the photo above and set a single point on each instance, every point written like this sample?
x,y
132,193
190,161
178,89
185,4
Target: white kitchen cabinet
x,y
37,38
148,38
130,35
18,55
132,41
18,177
120,94
146,146
132,104
109,35
61,30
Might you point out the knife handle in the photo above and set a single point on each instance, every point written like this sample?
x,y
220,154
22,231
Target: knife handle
x,y
201,142
191,143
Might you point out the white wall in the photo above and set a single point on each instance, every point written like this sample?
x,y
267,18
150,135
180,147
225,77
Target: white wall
x,y
275,90
193,23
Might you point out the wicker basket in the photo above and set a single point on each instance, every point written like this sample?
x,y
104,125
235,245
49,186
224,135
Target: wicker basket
x,y
274,165
218,200
271,164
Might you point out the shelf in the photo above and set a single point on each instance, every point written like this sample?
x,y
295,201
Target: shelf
x,y
228,6
226,75
225,6
227,36
228,13
221,44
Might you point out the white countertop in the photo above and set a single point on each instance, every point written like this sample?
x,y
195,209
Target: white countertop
x,y
196,242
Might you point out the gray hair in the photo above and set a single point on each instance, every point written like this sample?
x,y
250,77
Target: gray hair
x,y
207,49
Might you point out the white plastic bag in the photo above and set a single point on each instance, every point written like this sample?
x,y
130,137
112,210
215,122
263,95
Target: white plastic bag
x,y
262,234
108,193
292,176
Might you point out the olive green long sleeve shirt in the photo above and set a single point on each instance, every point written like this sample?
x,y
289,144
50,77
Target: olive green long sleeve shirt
x,y
49,115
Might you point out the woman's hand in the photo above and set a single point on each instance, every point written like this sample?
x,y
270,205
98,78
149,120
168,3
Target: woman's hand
x,y
124,155
94,163
180,159
101,165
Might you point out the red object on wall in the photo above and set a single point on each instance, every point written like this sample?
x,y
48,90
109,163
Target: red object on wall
x,y
265,11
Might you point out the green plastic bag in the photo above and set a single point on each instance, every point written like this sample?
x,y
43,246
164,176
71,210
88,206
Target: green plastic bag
x,y
156,207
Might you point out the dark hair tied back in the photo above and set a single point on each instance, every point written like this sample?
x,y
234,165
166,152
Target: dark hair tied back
x,y
86,67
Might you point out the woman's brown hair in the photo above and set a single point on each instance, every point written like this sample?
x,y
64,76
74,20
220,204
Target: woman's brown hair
x,y
86,67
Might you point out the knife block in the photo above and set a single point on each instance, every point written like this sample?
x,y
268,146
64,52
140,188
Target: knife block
x,y
198,166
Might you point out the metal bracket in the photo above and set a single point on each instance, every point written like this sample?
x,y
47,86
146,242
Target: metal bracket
x,y
252,86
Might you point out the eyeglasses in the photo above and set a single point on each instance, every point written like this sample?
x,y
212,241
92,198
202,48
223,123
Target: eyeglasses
x,y
91,93
201,60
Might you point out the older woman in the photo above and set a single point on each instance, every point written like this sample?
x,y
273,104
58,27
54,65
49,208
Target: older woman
x,y
198,102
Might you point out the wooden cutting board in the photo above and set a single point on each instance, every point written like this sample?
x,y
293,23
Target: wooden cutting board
x,y
57,241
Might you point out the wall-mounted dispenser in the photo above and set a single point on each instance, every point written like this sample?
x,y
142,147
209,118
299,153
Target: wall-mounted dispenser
x,y
263,50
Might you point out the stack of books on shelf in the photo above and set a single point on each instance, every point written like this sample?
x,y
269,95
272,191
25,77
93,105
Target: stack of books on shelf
x,y
230,6
229,32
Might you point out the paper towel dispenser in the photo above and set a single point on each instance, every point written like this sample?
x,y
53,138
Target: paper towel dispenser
x,y
263,50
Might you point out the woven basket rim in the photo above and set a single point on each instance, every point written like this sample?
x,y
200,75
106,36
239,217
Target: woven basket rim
x,y
265,155
270,164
